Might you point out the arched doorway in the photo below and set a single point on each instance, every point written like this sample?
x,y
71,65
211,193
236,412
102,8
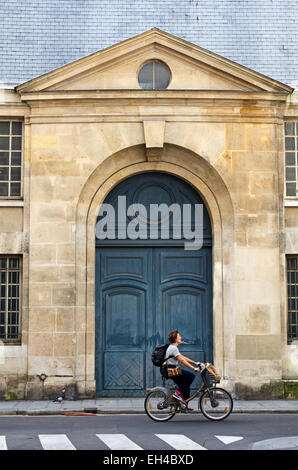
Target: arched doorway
x,y
145,287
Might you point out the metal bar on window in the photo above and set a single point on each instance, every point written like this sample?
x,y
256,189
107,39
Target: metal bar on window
x,y
292,276
10,298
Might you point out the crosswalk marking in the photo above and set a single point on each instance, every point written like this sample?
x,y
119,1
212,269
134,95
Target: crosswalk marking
x,y
55,442
3,445
118,442
180,442
122,442
229,439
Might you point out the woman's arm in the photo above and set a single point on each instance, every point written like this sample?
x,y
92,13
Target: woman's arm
x,y
186,362
189,360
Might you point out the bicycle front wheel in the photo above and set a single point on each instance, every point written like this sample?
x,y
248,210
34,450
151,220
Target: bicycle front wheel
x,y
157,408
216,404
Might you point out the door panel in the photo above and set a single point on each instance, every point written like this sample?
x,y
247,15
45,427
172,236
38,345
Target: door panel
x,y
123,308
184,311
123,371
183,286
124,315
123,264
180,265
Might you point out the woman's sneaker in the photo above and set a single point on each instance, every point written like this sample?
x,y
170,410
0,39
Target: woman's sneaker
x,y
178,396
189,409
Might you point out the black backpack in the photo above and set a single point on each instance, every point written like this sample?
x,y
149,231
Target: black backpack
x,y
158,355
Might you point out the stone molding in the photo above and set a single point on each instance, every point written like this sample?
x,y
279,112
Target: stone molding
x,y
154,132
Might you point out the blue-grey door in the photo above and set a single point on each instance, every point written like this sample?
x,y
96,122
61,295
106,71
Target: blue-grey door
x,y
144,289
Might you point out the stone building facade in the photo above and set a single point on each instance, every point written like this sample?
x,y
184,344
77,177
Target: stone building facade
x,y
86,128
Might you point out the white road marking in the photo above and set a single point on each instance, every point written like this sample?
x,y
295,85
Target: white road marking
x,y
3,445
118,442
55,442
229,439
180,442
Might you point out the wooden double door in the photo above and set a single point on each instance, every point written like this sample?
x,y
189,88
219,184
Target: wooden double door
x,y
144,289
143,293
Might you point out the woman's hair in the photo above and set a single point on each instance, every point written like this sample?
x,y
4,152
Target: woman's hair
x,y
173,336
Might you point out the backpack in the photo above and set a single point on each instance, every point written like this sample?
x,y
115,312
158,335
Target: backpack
x,y
158,355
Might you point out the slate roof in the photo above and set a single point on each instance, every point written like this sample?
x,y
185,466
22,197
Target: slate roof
x,y
38,36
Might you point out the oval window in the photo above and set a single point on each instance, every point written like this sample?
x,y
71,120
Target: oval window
x,y
154,75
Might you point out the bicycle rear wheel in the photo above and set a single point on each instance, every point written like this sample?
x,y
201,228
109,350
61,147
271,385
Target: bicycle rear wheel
x,y
216,404
157,408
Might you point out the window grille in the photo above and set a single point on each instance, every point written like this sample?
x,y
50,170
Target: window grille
x,y
292,267
9,298
154,75
10,159
291,158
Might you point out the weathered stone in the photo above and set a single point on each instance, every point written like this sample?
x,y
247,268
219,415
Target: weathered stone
x,y
42,319
65,319
257,347
66,253
64,344
259,319
11,219
63,296
41,344
43,253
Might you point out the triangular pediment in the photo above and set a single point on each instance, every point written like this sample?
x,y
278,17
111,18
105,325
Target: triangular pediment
x,y
116,68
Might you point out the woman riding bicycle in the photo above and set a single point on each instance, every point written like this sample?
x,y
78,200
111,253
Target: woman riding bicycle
x,y
172,359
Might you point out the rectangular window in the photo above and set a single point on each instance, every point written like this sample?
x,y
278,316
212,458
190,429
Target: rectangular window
x,y
10,298
291,158
292,266
10,159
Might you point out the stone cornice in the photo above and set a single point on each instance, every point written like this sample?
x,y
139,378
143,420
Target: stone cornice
x,y
176,96
14,109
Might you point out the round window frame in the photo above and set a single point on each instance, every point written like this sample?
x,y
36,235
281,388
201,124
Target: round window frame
x,y
160,62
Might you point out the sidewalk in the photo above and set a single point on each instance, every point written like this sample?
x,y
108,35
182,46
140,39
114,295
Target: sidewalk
x,y
129,406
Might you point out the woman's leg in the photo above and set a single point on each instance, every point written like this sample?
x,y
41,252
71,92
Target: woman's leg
x,y
183,382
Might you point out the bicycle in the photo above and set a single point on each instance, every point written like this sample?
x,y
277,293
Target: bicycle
x,y
215,403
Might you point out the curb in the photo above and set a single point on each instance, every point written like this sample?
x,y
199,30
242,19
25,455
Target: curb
x,y
132,412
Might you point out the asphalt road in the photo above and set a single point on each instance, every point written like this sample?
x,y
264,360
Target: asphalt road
x,y
136,432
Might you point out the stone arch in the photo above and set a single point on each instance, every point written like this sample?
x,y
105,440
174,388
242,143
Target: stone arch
x,y
197,172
